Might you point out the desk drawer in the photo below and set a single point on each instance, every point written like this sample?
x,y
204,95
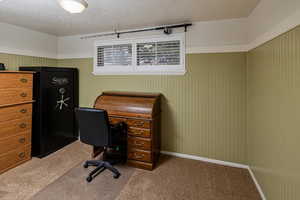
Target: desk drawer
x,y
139,155
15,80
14,127
138,123
140,132
115,120
139,143
15,112
15,95
14,142
14,158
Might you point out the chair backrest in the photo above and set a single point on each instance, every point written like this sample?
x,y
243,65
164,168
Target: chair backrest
x,y
94,126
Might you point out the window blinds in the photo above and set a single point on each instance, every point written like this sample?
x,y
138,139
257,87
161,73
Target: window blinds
x,y
158,53
114,55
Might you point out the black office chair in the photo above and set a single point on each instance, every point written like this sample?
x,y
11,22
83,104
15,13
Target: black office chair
x,y
95,130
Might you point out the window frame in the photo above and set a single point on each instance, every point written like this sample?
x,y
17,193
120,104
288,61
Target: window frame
x,y
135,69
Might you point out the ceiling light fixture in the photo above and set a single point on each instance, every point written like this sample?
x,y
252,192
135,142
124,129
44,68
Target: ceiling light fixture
x,y
73,6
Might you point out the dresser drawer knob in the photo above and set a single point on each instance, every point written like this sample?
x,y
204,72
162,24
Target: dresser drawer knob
x,y
23,94
23,80
22,140
23,110
139,123
23,125
21,155
138,143
138,156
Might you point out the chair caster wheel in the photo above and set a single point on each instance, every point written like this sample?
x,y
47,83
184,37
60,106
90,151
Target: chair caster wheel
x,y
89,179
85,165
116,176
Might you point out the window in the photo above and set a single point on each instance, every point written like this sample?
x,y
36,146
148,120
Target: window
x,y
114,55
151,55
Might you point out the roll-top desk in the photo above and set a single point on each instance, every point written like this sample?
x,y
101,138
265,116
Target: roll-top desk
x,y
141,113
15,118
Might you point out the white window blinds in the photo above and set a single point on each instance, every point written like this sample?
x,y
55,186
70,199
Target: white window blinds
x,y
158,53
114,55
143,55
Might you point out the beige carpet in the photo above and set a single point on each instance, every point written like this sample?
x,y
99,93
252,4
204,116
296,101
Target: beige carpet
x,y
22,182
173,179
73,186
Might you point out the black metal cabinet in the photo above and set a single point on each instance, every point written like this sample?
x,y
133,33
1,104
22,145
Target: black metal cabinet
x,y
56,96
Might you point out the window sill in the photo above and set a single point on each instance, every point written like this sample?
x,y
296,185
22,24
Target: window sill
x,y
120,73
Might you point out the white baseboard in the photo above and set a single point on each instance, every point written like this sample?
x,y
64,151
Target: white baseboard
x,y
219,162
263,197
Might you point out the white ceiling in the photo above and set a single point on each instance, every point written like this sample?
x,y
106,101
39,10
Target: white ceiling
x,y
106,15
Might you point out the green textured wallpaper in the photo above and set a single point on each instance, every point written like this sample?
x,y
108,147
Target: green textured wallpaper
x,y
273,116
12,62
204,111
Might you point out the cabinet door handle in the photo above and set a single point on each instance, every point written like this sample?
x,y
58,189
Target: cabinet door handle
x,y
22,140
23,80
23,110
23,94
23,125
21,155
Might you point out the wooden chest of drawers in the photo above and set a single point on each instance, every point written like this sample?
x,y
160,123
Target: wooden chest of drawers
x,y
141,113
15,118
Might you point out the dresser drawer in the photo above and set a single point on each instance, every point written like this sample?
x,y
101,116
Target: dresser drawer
x,y
140,132
138,123
13,158
139,143
14,142
15,95
15,112
140,155
14,127
14,80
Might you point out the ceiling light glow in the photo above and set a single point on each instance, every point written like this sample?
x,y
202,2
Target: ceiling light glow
x,y
73,6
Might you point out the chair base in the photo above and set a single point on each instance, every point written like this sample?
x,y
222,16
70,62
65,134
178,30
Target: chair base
x,y
100,167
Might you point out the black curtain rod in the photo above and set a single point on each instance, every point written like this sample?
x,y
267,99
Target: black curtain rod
x,y
167,30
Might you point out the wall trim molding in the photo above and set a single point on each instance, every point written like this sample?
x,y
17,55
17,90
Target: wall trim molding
x,y
219,162
217,49
193,157
288,24
257,184
23,52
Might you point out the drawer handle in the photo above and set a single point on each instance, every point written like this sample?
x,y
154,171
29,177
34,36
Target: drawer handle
x,y
23,80
22,140
139,123
23,111
21,155
23,94
139,156
138,143
23,125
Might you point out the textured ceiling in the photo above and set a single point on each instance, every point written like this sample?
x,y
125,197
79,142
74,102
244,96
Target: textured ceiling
x,y
106,15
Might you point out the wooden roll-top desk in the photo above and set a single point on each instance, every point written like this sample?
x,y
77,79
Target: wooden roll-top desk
x,y
141,113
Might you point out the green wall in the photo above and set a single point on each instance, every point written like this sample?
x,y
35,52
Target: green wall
x,y
12,62
273,116
204,111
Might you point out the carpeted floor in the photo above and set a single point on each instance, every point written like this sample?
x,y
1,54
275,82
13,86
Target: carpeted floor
x,y
61,176
22,182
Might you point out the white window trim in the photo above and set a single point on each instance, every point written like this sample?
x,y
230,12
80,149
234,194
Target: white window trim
x,y
134,69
